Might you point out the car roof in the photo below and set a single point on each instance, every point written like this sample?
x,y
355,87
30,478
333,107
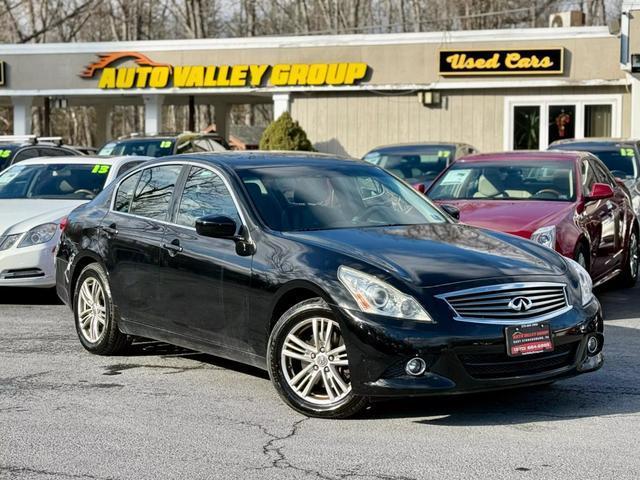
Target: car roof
x,y
167,136
82,159
595,140
592,143
524,155
406,147
247,159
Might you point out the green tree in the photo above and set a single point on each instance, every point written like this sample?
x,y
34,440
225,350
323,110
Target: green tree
x,y
285,134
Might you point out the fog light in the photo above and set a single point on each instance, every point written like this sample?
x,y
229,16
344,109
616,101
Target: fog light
x,y
592,345
416,366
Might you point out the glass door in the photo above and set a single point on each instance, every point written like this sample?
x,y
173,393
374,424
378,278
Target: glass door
x,y
535,123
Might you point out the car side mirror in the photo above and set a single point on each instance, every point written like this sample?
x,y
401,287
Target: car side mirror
x,y
600,191
451,211
216,226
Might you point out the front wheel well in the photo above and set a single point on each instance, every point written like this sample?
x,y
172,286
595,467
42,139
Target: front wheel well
x,y
288,300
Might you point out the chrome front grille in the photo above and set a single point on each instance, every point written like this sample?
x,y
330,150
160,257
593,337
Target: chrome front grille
x,y
509,303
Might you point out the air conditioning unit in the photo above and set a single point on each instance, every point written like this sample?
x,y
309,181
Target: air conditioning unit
x,y
572,18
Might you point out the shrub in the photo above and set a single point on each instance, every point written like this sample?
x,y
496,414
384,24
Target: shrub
x,y
285,134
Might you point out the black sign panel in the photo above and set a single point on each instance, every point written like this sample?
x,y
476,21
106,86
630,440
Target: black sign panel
x,y
538,61
1,74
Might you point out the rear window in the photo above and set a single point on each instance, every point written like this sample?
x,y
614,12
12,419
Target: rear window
x,y
519,181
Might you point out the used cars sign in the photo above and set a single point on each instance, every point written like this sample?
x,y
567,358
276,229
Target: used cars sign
x,y
545,61
150,74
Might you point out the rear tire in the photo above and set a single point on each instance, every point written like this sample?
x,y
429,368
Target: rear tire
x,y
629,275
308,362
94,314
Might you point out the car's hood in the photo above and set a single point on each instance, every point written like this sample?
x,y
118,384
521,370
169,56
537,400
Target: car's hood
x,y
517,217
18,216
430,255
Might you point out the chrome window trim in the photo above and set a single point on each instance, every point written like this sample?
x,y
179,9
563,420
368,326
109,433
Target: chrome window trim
x,y
180,163
506,286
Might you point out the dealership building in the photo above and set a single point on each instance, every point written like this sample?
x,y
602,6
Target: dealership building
x,y
496,90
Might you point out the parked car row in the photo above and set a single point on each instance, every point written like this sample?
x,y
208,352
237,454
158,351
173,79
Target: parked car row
x,y
581,198
335,275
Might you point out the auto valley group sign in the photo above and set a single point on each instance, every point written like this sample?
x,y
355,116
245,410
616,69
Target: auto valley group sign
x,y
129,70
537,61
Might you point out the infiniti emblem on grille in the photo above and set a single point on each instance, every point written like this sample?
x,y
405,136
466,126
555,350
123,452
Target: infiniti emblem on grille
x,y
520,304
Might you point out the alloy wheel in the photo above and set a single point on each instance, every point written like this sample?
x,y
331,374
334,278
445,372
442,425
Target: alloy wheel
x,y
314,362
92,310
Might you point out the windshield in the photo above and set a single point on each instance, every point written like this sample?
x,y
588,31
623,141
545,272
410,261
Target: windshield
x,y
152,147
620,161
6,154
53,181
416,166
309,198
537,180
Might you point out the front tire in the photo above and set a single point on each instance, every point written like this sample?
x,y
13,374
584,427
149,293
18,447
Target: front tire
x,y
308,362
93,310
629,276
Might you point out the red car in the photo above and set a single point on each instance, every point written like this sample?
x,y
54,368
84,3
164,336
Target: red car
x,y
567,201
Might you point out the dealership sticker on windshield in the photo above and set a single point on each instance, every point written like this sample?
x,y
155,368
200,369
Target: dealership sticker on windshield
x,y
528,339
454,177
5,153
101,169
626,152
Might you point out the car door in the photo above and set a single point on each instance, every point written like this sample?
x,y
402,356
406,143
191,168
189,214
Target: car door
x,y
616,205
205,282
599,219
132,234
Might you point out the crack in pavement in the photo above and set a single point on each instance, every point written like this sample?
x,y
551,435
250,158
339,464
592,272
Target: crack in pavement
x,y
17,470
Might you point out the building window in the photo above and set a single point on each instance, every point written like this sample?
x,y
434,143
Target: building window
x,y
533,123
597,120
526,127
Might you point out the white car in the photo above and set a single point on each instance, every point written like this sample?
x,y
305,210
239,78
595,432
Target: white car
x,y
35,195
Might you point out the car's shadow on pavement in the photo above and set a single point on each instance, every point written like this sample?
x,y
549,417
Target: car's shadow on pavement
x,y
28,296
143,347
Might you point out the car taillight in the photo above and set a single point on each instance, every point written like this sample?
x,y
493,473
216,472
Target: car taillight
x,y
64,223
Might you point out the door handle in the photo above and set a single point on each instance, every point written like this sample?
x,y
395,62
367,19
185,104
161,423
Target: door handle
x,y
173,247
110,229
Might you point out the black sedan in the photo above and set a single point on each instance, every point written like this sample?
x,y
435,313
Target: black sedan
x,y
342,281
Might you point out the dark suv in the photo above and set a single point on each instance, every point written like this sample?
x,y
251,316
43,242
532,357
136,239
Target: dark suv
x,y
165,144
622,158
14,149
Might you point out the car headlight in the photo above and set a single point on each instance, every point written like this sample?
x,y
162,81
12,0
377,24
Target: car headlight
x,y
545,236
9,241
586,284
375,296
40,234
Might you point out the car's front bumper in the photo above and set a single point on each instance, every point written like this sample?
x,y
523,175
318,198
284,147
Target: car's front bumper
x,y
461,357
29,266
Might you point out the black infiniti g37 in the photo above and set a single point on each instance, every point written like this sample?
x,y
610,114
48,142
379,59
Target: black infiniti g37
x,y
339,279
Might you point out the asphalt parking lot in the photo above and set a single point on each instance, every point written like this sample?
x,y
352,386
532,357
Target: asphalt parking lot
x,y
164,412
